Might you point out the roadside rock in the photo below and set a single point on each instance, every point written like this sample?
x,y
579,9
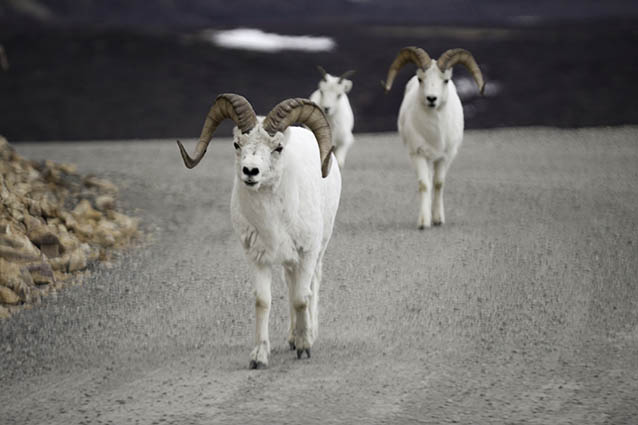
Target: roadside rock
x,y
61,263
127,225
105,203
42,274
45,239
104,185
15,245
77,260
7,296
12,276
53,223
84,211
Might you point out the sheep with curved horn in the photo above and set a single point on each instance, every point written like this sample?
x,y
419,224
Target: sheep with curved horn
x,y
332,97
431,121
284,201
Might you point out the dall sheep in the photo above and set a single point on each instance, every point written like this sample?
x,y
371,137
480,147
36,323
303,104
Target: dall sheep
x,y
284,200
431,121
332,97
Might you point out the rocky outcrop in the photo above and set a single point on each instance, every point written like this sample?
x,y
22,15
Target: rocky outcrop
x,y
54,223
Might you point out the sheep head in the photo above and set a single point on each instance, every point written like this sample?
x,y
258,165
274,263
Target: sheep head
x,y
433,75
332,88
260,144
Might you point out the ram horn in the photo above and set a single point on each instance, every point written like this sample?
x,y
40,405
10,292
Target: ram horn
x,y
302,111
346,74
322,72
462,56
412,54
227,105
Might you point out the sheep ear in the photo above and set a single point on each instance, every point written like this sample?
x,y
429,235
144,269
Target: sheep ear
x,y
347,85
279,138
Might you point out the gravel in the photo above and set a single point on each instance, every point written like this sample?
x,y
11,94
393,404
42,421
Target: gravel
x,y
522,308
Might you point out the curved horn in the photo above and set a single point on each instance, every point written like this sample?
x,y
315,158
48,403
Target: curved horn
x,y
227,105
302,111
412,54
322,71
453,56
347,74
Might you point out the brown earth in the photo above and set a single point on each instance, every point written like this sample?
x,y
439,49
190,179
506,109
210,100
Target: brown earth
x,y
522,309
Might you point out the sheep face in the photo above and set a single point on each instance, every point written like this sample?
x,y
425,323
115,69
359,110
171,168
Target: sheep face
x,y
331,90
433,86
258,157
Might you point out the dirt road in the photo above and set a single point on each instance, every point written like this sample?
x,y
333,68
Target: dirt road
x,y
522,309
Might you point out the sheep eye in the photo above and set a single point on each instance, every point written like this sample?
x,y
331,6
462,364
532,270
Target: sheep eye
x,y
237,147
446,81
339,96
278,149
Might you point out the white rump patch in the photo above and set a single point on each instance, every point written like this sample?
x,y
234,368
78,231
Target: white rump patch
x,y
254,39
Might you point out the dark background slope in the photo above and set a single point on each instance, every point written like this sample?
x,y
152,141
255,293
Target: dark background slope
x,y
111,70
192,13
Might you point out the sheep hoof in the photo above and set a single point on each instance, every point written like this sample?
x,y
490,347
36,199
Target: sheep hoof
x,y
292,345
300,352
437,223
257,365
421,227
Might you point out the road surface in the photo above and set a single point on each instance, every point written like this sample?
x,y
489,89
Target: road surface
x,y
521,309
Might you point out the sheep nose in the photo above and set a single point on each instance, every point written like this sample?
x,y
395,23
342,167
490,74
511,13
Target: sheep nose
x,y
431,99
250,171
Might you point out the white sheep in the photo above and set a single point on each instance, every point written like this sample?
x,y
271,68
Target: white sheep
x,y
284,200
332,97
431,121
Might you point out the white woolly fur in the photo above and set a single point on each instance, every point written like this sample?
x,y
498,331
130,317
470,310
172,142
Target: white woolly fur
x,y
332,97
431,126
284,215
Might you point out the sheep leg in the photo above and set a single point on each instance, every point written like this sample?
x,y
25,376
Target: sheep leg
x,y
301,302
259,355
440,171
289,278
314,299
423,167
342,149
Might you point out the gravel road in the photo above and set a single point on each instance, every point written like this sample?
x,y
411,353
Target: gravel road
x,y
522,309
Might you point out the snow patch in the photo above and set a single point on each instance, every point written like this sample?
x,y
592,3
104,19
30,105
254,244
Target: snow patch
x,y
254,39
